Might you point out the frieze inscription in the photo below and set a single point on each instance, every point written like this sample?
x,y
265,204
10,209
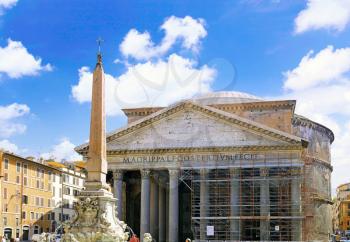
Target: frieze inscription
x,y
186,158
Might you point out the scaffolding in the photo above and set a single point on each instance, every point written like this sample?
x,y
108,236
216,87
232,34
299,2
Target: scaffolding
x,y
243,203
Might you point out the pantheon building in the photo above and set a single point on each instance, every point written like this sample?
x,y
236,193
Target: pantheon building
x,y
225,166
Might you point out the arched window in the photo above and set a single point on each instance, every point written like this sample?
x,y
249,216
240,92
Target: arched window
x,y
8,233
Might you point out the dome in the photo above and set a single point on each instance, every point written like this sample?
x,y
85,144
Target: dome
x,y
226,98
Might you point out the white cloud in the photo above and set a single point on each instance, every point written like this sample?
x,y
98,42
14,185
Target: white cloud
x,y
62,151
8,146
187,30
328,65
16,61
7,4
149,84
8,115
323,14
321,86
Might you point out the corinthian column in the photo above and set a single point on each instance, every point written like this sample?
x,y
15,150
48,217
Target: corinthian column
x,y
118,191
235,200
162,209
296,204
154,224
264,205
145,202
204,203
173,205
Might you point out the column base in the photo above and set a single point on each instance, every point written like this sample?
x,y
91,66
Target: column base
x,y
95,219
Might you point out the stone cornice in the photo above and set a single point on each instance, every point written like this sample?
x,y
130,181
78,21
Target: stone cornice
x,y
204,149
207,149
141,111
310,160
211,111
264,105
302,121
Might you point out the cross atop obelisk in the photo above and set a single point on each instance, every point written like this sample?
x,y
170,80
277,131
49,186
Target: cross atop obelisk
x,y
97,164
99,42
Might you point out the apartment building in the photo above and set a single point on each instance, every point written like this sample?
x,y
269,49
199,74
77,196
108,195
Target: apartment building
x,y
341,211
65,187
26,196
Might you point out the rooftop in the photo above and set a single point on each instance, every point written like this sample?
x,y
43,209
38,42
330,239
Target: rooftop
x,y
226,97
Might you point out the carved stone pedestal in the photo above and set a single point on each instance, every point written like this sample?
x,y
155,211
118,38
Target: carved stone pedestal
x,y
95,219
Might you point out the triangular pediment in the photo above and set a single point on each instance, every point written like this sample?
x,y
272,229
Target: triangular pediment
x,y
189,125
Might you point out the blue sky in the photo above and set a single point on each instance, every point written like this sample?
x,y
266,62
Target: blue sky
x,y
263,47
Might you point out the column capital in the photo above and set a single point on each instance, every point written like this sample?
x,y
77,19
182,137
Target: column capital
x,y
295,171
234,172
264,171
204,171
173,173
118,174
145,173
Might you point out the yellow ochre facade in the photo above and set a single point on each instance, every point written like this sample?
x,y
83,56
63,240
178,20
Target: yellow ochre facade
x,y
342,208
26,196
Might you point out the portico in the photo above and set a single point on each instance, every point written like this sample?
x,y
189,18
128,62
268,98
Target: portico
x,y
191,170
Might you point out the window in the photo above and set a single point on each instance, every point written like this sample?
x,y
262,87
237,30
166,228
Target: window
x,y
25,181
54,177
54,191
65,203
37,216
6,176
5,193
49,187
49,203
42,185
67,191
50,175
75,192
37,201
25,169
6,165
32,215
5,221
6,207
42,173
18,180
25,199
36,229
52,216
37,184
24,215
17,221
18,167
48,216
37,172
42,202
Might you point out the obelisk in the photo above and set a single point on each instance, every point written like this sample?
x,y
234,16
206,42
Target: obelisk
x,y
95,218
96,165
